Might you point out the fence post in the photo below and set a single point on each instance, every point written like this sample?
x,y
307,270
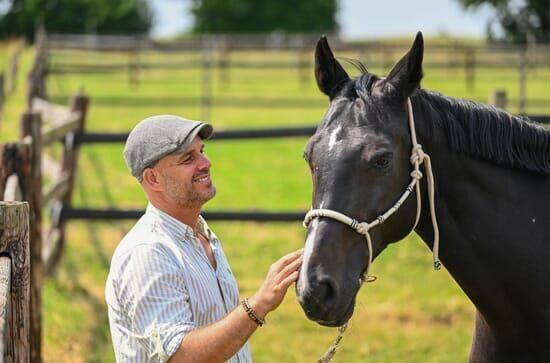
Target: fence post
x,y
2,94
470,68
14,243
37,75
79,103
5,306
31,134
134,61
8,156
522,80
223,62
206,97
14,67
499,98
303,69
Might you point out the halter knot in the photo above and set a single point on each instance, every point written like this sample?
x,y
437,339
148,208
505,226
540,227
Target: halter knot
x,y
417,154
363,228
416,174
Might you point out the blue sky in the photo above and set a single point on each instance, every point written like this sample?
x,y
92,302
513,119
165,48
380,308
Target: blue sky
x,y
363,19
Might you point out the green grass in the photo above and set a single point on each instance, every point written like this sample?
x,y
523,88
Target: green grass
x,y
410,314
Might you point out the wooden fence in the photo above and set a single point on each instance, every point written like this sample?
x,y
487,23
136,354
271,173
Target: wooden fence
x,y
44,125
219,54
29,172
15,282
36,80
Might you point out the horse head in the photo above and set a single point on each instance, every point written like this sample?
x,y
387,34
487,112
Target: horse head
x,y
359,162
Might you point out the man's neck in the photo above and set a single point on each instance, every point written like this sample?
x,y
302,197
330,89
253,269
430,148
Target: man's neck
x,y
188,216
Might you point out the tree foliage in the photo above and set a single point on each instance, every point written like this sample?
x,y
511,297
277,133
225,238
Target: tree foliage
x,y
520,19
75,16
263,16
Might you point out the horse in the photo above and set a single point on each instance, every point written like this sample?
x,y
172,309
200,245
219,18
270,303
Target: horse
x,y
490,206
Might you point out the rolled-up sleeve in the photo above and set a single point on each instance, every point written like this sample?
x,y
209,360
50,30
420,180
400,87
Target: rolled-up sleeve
x,y
152,290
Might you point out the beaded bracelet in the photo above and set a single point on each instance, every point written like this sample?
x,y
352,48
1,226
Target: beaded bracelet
x,y
251,313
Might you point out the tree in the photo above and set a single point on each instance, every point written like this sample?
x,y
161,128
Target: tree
x,y
75,16
520,19
264,16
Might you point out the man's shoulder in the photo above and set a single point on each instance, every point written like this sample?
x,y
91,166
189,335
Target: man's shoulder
x,y
144,236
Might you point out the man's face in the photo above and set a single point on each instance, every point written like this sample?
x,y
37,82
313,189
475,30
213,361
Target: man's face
x,y
185,176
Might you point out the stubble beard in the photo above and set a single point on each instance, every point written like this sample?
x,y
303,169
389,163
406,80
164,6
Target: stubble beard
x,y
186,195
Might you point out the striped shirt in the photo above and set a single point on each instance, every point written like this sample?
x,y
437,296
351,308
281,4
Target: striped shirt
x,y
161,285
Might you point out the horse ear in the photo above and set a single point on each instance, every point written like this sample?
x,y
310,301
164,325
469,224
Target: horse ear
x,y
329,73
407,73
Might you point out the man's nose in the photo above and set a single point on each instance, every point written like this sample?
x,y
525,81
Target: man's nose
x,y
204,163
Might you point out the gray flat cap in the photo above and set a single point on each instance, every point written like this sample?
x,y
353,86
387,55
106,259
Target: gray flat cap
x,y
157,136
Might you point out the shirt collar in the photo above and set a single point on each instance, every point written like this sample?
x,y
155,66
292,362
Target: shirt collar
x,y
179,229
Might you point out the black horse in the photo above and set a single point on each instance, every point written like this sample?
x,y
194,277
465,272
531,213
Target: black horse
x,y
492,201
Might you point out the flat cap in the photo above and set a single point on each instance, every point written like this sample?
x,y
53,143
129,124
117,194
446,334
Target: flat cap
x,y
157,136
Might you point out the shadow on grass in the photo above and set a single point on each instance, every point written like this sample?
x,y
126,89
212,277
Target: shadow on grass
x,y
99,343
100,339
98,171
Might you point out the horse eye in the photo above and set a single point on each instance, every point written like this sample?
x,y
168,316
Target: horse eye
x,y
383,161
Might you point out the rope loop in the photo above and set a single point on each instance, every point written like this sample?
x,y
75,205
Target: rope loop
x,y
369,278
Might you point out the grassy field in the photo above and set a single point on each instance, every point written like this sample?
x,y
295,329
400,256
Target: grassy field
x,y
411,314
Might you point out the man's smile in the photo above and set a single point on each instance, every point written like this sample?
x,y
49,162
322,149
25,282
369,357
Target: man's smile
x,y
203,178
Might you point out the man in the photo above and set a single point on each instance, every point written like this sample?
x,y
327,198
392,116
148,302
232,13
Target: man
x,y
170,292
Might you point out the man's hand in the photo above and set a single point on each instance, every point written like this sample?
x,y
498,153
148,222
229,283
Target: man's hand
x,y
218,342
280,276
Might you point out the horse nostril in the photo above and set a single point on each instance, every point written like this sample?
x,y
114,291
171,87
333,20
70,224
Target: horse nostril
x,y
327,292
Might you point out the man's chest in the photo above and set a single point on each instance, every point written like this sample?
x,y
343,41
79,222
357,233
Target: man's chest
x,y
212,291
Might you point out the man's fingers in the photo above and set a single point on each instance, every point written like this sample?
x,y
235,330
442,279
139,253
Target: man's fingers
x,y
285,260
291,267
289,280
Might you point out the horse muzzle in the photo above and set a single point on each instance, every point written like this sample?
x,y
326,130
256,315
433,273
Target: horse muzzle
x,y
324,302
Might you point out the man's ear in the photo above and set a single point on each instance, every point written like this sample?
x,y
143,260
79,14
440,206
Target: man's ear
x,y
151,179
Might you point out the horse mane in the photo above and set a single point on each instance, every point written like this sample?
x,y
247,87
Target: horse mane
x,y
489,133
476,129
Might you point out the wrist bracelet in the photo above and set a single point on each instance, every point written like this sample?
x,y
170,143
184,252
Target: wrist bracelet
x,y
251,313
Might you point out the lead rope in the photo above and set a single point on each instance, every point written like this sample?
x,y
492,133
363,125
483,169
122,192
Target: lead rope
x,y
418,156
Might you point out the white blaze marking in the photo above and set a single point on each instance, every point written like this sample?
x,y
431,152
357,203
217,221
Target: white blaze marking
x,y
308,250
332,140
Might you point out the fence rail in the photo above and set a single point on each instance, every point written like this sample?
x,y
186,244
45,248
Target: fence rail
x,y
218,135
121,214
221,53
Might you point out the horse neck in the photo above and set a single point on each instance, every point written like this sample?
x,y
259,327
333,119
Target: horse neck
x,y
484,212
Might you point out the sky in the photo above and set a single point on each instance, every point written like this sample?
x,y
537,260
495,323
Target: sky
x,y
362,19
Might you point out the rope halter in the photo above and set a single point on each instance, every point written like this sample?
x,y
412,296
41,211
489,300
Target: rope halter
x,y
418,157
